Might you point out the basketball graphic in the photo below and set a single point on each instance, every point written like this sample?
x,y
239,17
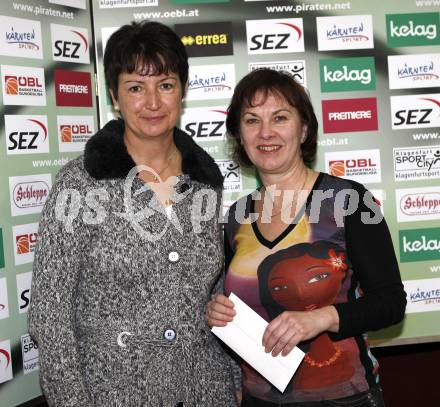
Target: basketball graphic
x,y
337,168
22,242
66,134
11,85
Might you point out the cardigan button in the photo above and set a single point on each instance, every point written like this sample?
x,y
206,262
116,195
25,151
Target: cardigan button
x,y
169,334
173,257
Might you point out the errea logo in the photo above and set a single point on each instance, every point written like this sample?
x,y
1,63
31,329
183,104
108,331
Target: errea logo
x,y
275,36
414,29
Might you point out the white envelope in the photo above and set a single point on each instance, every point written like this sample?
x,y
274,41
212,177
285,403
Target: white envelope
x,y
244,336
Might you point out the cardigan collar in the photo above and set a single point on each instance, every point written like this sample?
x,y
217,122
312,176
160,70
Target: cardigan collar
x,y
106,156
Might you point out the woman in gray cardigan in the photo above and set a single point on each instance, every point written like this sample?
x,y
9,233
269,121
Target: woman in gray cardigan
x,y
126,263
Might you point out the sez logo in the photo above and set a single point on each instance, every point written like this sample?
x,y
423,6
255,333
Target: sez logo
x,y
204,124
4,303
346,115
5,361
70,44
360,165
20,38
23,86
414,29
24,281
344,32
73,88
74,132
415,111
417,204
347,74
206,39
275,36
29,193
414,71
26,134
24,241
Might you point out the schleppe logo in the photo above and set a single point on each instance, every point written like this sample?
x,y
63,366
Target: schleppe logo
x,y
414,29
275,36
418,204
206,39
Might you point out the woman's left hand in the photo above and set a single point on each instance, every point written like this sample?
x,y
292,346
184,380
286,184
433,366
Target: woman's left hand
x,y
292,327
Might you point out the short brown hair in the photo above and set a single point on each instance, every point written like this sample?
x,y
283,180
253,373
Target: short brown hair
x,y
148,44
269,81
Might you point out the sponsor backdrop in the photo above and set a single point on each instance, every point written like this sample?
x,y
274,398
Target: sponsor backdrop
x,y
373,72
48,112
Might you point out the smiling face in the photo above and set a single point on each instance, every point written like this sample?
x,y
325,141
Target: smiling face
x,y
149,104
305,283
271,133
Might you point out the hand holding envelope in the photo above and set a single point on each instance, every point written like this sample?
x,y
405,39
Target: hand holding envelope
x,y
244,336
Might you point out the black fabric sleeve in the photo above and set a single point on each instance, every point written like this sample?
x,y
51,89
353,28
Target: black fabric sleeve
x,y
371,253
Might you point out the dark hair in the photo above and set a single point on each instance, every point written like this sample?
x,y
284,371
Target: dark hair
x,y
278,83
147,45
318,250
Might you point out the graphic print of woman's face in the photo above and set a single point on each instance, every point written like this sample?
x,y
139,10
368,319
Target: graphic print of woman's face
x,y
305,283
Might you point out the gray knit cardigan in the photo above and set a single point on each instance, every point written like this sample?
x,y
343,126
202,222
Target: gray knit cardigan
x,y
118,317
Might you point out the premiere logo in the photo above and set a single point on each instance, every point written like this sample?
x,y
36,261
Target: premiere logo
x,y
347,74
414,29
348,115
73,88
206,39
275,36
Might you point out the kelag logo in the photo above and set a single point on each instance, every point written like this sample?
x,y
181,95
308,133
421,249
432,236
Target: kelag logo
x,y
417,204
5,361
29,193
20,38
275,36
206,39
73,88
26,134
344,32
419,245
414,29
414,71
360,165
296,68
4,303
23,86
24,242
415,111
346,115
74,132
204,124
211,82
347,74
70,44
422,295
24,281
2,251
414,163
